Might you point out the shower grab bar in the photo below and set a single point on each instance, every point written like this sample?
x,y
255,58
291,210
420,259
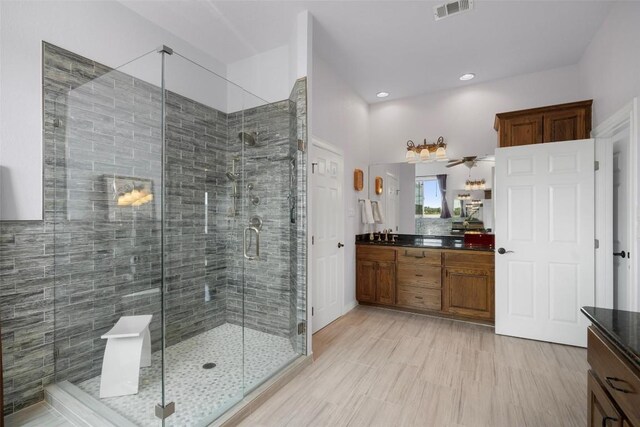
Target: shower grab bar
x,y
244,243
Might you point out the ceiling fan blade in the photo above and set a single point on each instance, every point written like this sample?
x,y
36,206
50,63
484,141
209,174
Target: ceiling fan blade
x,y
455,163
487,158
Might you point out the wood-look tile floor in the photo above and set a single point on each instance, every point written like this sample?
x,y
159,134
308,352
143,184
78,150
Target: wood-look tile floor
x,y
376,367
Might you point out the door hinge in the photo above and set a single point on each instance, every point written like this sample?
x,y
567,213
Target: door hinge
x,y
313,240
165,411
596,165
313,167
597,243
312,311
302,328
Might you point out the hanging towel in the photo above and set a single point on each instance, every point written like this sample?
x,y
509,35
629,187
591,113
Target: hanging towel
x,y
367,212
377,213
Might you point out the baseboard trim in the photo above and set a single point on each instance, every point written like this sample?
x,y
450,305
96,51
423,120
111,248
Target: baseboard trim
x,y
349,307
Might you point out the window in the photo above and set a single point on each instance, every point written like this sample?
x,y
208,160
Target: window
x,y
428,198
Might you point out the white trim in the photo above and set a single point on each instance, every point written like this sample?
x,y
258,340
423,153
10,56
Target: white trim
x,y
316,142
349,307
627,116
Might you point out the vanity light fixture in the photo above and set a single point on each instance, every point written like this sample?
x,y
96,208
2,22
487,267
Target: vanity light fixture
x,y
475,185
467,76
426,152
382,94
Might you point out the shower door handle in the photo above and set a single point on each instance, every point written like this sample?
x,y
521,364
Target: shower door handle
x,y
247,232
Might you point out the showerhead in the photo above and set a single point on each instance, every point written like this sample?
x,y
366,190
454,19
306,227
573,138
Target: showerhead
x,y
249,138
233,177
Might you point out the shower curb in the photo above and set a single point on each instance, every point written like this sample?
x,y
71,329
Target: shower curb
x,y
81,409
260,395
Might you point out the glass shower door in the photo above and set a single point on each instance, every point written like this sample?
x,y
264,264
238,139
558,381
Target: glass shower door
x,y
103,180
203,252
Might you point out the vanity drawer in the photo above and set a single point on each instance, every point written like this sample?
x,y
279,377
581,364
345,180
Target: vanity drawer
x,y
373,253
616,375
429,299
421,276
468,258
415,256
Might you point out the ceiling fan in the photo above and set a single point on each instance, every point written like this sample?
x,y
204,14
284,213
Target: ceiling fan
x,y
470,161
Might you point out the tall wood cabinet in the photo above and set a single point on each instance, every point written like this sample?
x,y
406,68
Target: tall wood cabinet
x,y
554,123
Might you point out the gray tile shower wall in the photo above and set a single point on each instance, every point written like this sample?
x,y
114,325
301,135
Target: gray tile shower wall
x,y
262,301
98,262
298,301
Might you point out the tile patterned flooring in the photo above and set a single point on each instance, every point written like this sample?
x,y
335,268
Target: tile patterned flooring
x,y
202,394
377,367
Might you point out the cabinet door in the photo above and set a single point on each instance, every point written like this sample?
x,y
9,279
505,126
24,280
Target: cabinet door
x,y
366,281
565,125
469,292
386,283
521,131
602,412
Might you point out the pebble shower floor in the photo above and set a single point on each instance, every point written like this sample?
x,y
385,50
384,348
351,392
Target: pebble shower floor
x,y
201,394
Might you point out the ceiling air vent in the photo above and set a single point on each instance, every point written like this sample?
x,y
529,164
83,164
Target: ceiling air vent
x,y
452,8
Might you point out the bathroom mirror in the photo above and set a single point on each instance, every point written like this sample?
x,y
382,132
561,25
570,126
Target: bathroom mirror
x,y
411,200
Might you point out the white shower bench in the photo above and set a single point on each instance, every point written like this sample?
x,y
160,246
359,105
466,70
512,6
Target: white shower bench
x,y
128,349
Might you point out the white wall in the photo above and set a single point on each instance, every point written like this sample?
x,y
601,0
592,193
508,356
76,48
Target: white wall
x,y
407,198
341,118
610,73
265,75
104,31
610,67
464,116
269,76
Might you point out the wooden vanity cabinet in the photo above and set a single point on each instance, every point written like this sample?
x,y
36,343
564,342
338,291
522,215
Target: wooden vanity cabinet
x,y
376,275
613,384
458,283
602,411
554,123
419,282
469,286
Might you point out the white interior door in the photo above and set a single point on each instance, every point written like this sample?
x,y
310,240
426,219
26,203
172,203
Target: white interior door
x,y
545,240
622,297
392,202
328,234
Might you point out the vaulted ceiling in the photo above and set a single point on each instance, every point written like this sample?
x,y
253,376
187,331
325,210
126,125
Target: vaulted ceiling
x,y
393,46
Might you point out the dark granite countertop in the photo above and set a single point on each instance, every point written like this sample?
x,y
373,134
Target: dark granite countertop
x,y
621,327
417,241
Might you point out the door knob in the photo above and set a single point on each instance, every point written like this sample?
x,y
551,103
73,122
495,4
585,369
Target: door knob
x,y
503,251
621,254
340,245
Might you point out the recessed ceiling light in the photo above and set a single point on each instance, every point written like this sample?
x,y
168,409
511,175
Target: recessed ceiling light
x,y
467,76
382,94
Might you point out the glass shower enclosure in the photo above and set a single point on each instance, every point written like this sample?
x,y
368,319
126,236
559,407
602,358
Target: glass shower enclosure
x,y
179,245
